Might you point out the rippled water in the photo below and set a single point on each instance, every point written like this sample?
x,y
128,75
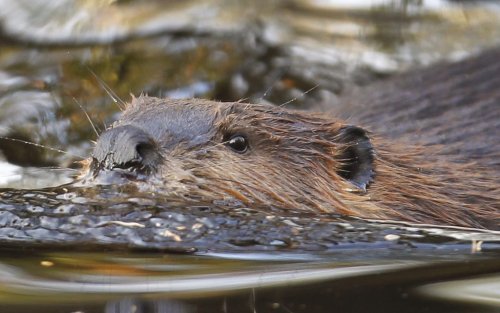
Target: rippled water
x,y
75,250
62,250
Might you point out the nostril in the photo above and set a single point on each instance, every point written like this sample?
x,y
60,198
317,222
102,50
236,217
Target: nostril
x,y
126,147
148,153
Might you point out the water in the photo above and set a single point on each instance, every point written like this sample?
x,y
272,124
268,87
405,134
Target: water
x,y
65,250
63,281
99,250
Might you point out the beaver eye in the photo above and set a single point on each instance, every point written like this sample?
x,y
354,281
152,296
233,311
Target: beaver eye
x,y
238,143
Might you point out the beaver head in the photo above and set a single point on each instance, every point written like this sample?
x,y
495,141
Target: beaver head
x,y
269,155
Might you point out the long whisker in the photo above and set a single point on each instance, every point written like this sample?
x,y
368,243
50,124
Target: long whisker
x,y
44,169
205,165
96,131
268,90
57,168
303,94
114,97
193,153
42,146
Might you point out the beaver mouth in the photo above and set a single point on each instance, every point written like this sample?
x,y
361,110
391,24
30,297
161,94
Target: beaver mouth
x,y
131,170
105,174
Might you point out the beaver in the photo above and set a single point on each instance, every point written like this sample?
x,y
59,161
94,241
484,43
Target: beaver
x,y
315,162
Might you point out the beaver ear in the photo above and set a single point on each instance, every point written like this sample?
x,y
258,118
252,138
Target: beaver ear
x,y
357,157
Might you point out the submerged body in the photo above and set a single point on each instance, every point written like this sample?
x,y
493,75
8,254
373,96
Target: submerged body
x,y
260,154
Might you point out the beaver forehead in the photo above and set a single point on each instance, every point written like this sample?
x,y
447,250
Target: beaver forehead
x,y
272,121
172,121
197,121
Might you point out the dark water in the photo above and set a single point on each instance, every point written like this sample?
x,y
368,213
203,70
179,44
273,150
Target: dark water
x,y
67,250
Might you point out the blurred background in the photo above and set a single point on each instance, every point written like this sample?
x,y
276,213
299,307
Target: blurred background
x,y
62,58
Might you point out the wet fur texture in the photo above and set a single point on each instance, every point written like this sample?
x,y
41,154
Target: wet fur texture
x,y
299,159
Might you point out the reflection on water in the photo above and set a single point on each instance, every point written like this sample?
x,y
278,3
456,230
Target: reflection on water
x,y
483,290
60,58
116,282
174,275
70,250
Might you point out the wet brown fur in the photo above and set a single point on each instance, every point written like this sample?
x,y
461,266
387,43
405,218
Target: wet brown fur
x,y
295,158
294,161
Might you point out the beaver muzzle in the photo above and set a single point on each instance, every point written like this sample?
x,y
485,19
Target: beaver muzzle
x,y
127,148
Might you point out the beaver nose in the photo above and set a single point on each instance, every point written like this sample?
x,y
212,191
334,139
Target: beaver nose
x,y
126,147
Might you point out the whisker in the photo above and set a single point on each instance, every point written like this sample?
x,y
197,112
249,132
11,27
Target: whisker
x,y
268,90
205,165
303,94
88,117
42,146
44,169
10,175
114,97
209,149
57,168
205,149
